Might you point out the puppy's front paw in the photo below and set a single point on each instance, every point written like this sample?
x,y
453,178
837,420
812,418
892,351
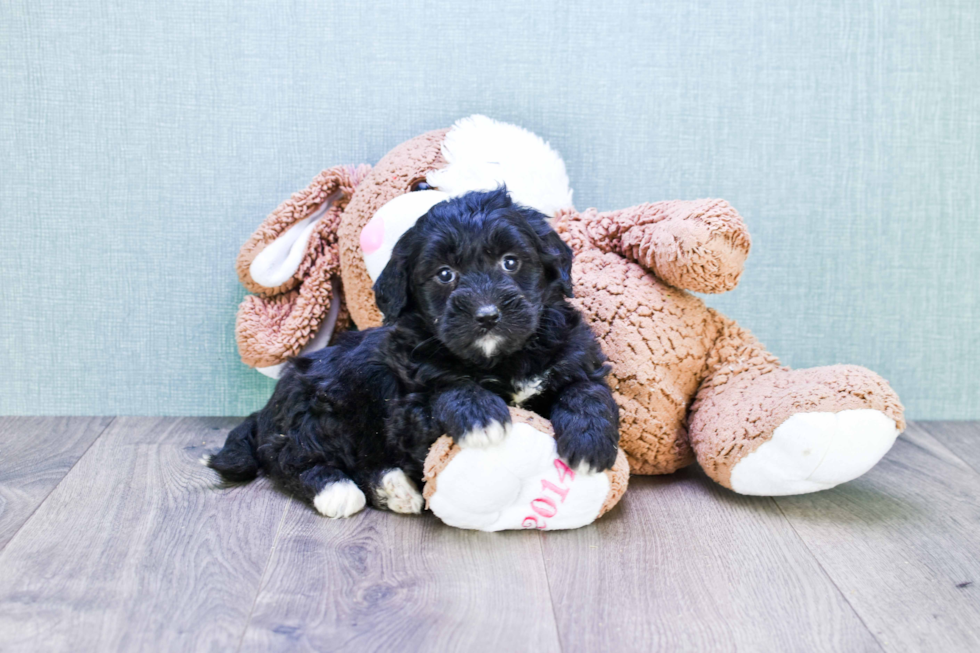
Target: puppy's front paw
x,y
398,493
484,436
474,419
587,453
340,499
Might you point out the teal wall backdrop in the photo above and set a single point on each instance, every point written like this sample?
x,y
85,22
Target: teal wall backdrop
x,y
141,143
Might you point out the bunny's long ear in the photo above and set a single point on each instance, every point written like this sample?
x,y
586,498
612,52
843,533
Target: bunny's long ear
x,y
292,264
282,251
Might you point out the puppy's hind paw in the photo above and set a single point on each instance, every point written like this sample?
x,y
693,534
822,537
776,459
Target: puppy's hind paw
x,y
485,436
340,499
398,493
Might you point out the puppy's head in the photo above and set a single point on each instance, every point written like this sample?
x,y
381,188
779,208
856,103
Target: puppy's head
x,y
479,270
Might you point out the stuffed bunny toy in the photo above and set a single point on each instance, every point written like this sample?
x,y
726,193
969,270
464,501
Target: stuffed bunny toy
x,y
691,384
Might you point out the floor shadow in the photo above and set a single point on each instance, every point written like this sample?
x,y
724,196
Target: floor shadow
x,y
857,502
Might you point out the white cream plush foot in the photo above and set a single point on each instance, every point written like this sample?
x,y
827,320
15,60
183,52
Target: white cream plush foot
x,y
518,482
810,452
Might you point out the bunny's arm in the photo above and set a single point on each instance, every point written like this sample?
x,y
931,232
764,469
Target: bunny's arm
x,y
698,245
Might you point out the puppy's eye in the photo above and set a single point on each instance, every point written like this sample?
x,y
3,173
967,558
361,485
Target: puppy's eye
x,y
510,263
420,184
445,275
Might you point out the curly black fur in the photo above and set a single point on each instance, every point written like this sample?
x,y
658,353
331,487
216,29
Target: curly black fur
x,y
476,317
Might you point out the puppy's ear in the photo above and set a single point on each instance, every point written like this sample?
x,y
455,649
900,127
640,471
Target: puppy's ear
x,y
556,255
557,260
302,364
391,289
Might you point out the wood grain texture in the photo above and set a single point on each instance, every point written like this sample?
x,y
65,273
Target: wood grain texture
x,y
685,565
386,582
962,438
903,544
137,550
35,454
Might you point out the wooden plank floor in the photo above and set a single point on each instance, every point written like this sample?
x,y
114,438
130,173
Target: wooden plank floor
x,y
113,538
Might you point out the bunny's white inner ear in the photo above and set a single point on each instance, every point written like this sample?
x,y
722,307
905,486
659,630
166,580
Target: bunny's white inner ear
x,y
482,153
280,259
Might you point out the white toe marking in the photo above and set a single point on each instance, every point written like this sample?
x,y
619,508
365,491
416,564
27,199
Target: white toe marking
x,y
524,390
340,499
205,459
584,468
398,493
486,436
810,452
488,344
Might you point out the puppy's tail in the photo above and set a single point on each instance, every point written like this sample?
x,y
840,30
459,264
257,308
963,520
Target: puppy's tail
x,y
236,461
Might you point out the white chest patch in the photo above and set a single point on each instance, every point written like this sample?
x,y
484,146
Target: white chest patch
x,y
524,390
488,344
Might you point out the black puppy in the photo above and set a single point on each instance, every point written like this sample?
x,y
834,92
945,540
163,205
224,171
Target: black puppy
x,y
476,318
476,292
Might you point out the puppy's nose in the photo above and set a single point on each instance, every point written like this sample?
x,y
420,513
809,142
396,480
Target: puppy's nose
x,y
488,316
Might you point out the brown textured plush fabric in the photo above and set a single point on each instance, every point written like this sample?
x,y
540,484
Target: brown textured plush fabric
x,y
393,176
440,455
339,183
746,395
667,347
698,245
657,337
275,323
444,450
619,478
689,382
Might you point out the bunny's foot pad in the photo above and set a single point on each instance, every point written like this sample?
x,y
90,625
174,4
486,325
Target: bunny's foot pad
x,y
810,452
518,483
